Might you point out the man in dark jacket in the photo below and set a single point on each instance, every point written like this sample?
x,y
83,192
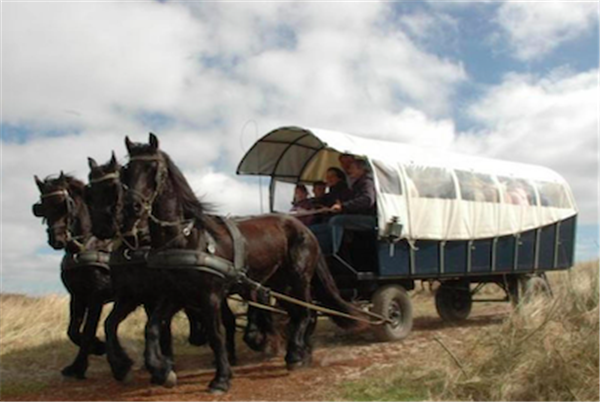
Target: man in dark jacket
x,y
362,198
358,212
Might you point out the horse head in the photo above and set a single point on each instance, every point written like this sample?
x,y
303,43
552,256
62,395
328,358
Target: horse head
x,y
104,197
60,205
144,178
158,193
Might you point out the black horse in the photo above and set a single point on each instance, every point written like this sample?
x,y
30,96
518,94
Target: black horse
x,y
280,253
84,269
133,282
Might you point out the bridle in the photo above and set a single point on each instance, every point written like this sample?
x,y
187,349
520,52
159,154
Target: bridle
x,y
116,178
148,202
109,176
68,220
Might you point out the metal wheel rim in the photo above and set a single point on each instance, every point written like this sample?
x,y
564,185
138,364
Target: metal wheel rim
x,y
395,315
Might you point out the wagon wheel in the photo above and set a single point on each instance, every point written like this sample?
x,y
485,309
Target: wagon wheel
x,y
536,287
453,301
392,302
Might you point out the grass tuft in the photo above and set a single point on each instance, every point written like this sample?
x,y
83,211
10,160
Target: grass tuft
x,y
547,349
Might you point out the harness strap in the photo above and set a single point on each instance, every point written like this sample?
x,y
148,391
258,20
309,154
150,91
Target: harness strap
x,y
108,176
239,252
57,192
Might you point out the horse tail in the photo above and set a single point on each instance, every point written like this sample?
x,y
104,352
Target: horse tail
x,y
327,293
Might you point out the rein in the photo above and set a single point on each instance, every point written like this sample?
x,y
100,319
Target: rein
x,y
309,212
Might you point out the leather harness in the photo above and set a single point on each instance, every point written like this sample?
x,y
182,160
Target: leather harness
x,y
206,261
123,257
94,258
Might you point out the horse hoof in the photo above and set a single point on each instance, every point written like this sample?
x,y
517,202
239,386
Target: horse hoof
x,y
294,365
171,380
218,386
71,372
218,389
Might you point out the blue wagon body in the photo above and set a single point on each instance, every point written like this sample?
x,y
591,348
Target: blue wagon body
x,y
547,248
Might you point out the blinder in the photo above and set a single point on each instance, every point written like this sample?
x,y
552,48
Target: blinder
x,y
38,210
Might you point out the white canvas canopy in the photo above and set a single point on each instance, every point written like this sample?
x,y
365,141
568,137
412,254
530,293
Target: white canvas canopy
x,y
435,194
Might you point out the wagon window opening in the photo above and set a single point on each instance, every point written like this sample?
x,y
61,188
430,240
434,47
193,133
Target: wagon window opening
x,y
283,196
388,178
553,195
477,187
517,191
429,182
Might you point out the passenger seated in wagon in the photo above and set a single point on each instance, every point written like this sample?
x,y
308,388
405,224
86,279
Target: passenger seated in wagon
x,y
319,189
301,203
357,211
338,188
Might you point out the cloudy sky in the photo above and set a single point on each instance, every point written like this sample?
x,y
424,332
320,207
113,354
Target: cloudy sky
x,y
514,81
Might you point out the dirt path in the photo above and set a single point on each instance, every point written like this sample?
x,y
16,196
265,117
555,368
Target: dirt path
x,y
338,357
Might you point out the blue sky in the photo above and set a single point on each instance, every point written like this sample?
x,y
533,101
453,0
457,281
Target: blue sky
x,y
514,81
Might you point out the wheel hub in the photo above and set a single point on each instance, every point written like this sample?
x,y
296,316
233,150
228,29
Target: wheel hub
x,y
395,314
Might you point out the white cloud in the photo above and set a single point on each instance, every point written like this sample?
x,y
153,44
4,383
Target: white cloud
x,y
227,194
84,64
535,29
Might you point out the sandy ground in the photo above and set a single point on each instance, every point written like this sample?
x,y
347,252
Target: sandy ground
x,y
338,358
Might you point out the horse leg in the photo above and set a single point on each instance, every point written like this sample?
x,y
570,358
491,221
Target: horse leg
x,y
260,325
120,362
308,341
197,333
77,312
211,314
299,328
160,368
229,322
166,337
78,368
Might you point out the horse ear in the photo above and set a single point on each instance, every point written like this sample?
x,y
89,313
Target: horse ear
x,y
113,160
128,144
62,178
92,163
153,141
39,183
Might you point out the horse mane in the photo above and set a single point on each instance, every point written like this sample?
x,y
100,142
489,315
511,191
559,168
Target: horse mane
x,y
191,204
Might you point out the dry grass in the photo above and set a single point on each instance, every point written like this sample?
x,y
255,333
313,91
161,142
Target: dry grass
x,y
546,350
34,346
